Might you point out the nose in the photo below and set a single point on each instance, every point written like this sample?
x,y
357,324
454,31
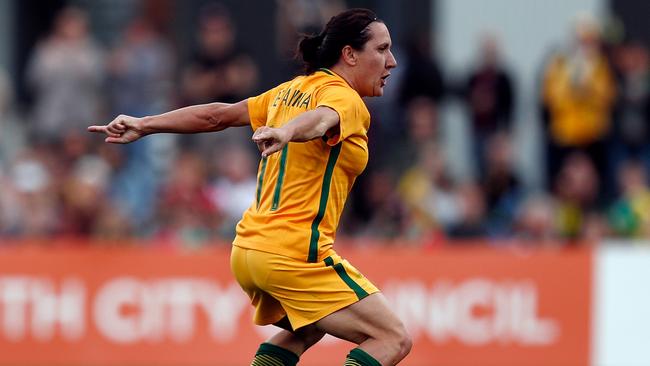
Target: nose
x,y
391,62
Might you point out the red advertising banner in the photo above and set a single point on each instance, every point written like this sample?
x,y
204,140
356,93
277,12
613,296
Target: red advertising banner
x,y
463,306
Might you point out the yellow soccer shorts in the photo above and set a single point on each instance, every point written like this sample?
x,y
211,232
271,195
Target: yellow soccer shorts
x,y
280,286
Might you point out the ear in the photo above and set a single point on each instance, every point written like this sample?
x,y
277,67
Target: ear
x,y
349,55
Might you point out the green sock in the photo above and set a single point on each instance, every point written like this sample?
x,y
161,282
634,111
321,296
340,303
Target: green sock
x,y
359,357
271,355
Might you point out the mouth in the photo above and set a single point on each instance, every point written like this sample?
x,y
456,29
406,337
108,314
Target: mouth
x,y
383,79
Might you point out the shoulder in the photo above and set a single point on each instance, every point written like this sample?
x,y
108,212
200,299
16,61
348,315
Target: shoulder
x,y
338,86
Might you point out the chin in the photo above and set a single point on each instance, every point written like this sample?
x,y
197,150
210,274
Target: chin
x,y
375,92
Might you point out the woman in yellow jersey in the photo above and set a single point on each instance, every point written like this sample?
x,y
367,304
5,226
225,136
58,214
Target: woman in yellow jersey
x,y
312,134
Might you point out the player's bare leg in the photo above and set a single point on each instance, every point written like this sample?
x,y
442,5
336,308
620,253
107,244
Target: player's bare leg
x,y
381,336
287,345
297,341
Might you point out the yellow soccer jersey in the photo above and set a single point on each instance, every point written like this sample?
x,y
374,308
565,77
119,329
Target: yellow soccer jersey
x,y
301,190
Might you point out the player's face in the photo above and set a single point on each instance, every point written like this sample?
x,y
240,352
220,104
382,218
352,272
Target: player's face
x,y
375,61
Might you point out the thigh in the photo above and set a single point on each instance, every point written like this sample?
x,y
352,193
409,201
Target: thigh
x,y
310,291
247,272
368,318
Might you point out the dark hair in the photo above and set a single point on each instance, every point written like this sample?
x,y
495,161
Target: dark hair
x,y
347,28
213,10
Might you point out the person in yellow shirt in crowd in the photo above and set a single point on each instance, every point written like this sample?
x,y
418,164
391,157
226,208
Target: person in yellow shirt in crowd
x,y
312,134
579,93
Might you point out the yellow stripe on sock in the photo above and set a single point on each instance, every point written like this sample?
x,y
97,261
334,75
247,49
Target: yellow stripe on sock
x,y
266,360
351,362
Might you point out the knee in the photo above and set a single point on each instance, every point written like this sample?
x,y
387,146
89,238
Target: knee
x,y
404,343
398,343
313,338
309,335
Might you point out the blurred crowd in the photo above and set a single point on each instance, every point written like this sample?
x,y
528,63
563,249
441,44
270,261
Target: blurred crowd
x,y
190,190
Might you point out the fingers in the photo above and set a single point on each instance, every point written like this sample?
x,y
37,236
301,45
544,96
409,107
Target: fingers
x,y
265,140
271,150
115,140
96,128
107,131
262,133
116,128
103,129
113,129
267,147
260,146
269,140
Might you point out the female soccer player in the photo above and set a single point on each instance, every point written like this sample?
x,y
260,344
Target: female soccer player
x,y
312,134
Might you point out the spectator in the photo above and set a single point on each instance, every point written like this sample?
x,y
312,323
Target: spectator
x,y
421,127
579,92
220,70
535,221
489,97
630,215
576,190
595,228
233,187
65,74
141,71
112,226
378,207
502,188
631,133
422,75
12,135
187,215
83,195
28,199
430,201
471,223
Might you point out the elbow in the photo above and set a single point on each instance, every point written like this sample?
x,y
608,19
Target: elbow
x,y
321,130
215,123
224,115
328,120
217,118
327,125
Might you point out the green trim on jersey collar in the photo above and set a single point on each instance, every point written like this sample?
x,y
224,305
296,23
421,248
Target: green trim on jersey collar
x,y
326,70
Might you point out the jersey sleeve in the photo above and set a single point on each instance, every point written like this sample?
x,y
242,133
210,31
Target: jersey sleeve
x,y
258,107
354,118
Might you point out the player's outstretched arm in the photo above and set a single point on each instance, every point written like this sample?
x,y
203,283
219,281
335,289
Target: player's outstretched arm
x,y
198,118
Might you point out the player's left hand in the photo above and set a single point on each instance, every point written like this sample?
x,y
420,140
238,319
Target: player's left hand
x,y
270,140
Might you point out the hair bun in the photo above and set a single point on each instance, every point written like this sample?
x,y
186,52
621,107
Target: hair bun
x,y
309,48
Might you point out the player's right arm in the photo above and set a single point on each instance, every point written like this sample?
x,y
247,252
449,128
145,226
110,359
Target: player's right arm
x,y
198,118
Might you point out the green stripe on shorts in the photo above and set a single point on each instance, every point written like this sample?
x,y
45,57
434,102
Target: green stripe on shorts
x,y
340,270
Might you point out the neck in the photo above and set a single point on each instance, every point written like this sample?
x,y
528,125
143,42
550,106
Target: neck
x,y
346,74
